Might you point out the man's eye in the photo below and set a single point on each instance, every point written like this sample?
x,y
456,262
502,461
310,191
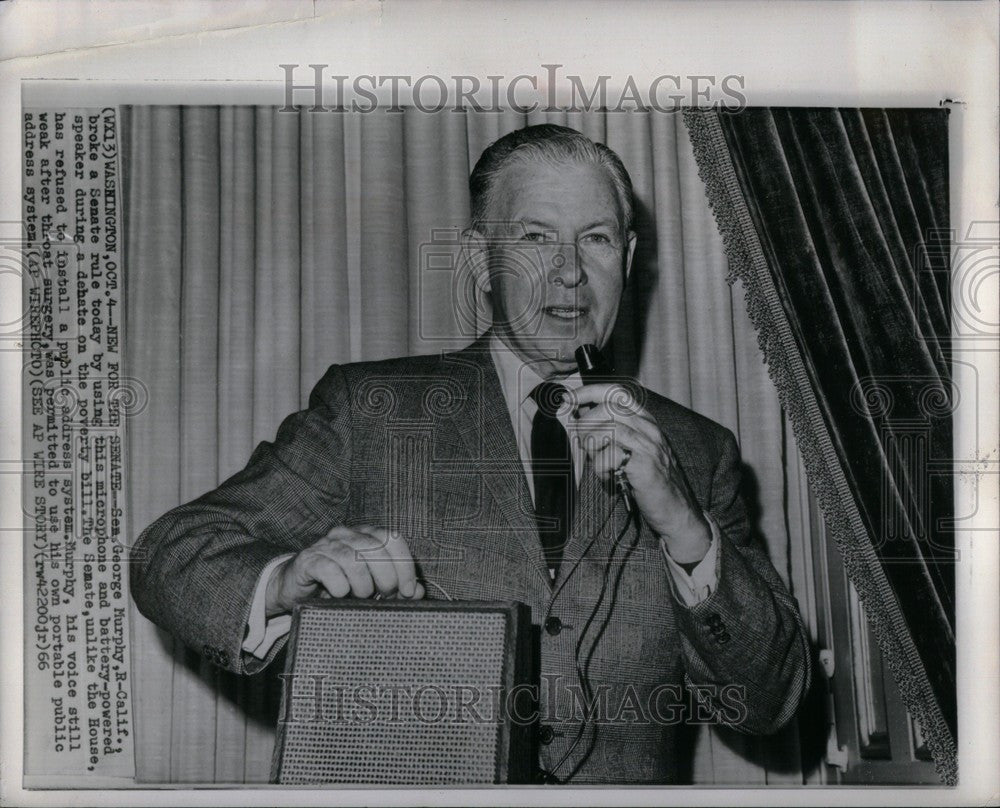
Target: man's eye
x,y
597,238
533,236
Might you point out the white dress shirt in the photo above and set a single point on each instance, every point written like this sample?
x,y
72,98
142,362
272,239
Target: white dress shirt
x,y
517,380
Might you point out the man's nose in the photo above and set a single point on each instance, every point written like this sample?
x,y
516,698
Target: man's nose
x,y
566,267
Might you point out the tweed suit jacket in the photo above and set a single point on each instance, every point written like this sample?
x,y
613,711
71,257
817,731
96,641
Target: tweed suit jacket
x,y
425,445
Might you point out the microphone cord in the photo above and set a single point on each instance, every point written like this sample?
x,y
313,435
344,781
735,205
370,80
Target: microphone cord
x,y
603,627
583,671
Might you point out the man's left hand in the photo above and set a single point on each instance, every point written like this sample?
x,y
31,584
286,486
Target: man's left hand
x,y
616,431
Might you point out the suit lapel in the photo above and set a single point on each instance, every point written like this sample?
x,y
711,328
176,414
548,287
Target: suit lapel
x,y
483,424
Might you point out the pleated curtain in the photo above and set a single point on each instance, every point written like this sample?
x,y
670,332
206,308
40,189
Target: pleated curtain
x,y
263,246
837,221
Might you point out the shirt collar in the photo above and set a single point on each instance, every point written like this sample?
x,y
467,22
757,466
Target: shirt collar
x,y
517,377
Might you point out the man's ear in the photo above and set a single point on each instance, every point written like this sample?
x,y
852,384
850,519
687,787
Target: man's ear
x,y
476,259
629,252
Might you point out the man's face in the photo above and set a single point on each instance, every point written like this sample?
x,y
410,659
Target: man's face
x,y
558,261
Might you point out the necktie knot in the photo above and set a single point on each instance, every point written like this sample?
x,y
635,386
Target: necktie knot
x,y
549,396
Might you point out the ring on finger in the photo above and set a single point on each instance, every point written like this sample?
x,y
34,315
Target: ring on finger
x,y
626,456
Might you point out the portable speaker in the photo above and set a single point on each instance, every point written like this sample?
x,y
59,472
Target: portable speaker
x,y
407,693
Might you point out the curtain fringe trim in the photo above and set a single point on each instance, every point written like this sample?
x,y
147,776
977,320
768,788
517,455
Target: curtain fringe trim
x,y
748,263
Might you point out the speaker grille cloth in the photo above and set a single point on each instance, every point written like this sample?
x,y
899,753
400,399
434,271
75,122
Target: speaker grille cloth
x,y
391,685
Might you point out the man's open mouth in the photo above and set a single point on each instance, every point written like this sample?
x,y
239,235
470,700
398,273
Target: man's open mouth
x,y
565,312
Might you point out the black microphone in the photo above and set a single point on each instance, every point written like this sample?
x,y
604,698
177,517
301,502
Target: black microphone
x,y
594,369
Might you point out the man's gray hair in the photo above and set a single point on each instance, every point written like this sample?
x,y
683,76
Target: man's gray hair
x,y
552,144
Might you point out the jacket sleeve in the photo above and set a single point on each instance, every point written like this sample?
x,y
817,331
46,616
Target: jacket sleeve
x,y
745,648
194,570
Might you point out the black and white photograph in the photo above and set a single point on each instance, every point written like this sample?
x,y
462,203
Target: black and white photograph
x,y
403,424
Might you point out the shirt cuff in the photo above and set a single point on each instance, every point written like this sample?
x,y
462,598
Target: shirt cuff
x,y
261,632
697,586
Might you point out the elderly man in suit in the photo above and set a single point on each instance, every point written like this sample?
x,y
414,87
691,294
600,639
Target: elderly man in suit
x,y
488,474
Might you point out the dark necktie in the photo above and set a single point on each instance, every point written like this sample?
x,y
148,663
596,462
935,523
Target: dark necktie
x,y
552,472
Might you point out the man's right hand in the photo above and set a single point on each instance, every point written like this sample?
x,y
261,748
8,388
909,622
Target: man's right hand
x,y
358,561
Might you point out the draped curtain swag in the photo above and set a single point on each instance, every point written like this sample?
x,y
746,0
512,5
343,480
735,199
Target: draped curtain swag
x,y
835,223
